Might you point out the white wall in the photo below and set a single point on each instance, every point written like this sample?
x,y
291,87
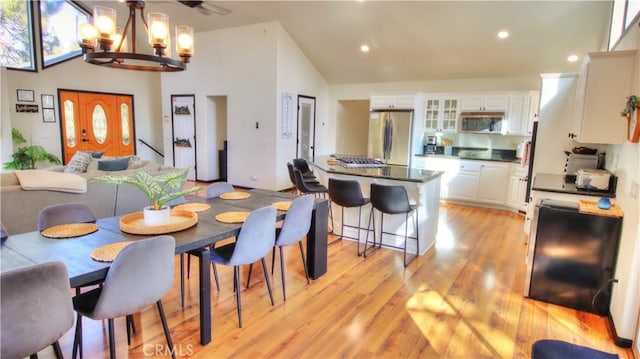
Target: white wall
x,y
77,75
250,65
297,75
624,161
5,124
239,63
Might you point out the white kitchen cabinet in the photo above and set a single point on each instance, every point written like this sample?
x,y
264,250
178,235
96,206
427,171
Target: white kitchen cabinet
x,y
523,109
484,102
604,84
493,183
393,101
441,113
463,181
517,188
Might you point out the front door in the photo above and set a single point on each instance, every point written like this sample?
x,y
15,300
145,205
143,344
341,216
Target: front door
x,y
306,127
99,122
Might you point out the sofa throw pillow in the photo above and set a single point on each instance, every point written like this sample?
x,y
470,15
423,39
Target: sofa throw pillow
x,y
113,165
78,163
94,154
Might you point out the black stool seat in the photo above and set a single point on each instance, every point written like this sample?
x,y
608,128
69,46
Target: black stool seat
x,y
392,200
347,194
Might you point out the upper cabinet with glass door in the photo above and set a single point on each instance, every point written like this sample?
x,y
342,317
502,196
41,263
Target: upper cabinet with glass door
x,y
441,113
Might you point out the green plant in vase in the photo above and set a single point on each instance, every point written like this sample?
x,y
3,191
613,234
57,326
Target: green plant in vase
x,y
27,157
159,189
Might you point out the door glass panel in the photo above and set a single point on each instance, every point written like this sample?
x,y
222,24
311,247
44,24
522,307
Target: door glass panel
x,y
70,123
124,115
99,124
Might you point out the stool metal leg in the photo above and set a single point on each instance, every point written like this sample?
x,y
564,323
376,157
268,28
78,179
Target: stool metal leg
x,y
372,218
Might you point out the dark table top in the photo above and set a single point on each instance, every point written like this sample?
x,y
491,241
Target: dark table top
x,y
29,248
399,173
556,183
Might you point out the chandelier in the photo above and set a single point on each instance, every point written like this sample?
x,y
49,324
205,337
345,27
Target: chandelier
x,y
112,41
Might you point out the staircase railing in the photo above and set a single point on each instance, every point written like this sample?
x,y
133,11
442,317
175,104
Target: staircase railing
x,y
151,147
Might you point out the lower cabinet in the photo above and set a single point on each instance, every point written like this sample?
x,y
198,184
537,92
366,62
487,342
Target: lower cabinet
x,y
493,183
463,181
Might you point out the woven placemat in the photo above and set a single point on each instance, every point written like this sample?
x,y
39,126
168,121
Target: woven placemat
x,y
235,195
193,207
232,217
282,206
70,230
108,252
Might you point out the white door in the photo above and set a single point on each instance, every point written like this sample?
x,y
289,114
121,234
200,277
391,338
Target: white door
x,y
306,127
183,118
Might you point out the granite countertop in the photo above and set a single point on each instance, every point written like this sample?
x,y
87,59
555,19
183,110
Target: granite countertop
x,y
400,173
556,183
473,153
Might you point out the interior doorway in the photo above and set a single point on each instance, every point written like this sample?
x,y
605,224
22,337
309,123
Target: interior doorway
x,y
217,112
306,127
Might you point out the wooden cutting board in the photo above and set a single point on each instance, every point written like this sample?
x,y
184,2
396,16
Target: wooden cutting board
x,y
591,207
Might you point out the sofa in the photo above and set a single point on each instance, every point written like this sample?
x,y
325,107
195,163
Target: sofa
x,y
19,208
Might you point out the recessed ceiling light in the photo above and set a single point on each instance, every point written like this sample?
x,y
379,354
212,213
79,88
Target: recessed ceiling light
x,y
572,58
503,34
364,48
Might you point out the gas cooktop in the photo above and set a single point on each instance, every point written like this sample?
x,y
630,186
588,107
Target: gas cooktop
x,y
360,162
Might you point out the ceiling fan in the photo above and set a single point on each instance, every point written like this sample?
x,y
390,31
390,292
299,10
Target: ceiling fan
x,y
205,7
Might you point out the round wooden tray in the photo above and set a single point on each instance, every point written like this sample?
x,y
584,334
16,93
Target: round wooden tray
x,y
232,217
282,206
134,223
108,252
193,207
70,230
235,195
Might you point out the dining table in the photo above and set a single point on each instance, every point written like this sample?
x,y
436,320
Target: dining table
x,y
30,248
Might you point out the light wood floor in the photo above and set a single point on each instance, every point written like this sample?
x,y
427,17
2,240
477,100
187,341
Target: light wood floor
x,y
463,299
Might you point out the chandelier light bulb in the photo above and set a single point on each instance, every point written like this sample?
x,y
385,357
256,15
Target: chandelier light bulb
x,y
184,40
158,29
87,32
104,20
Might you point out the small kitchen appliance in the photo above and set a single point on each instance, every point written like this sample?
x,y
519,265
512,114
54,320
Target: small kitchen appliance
x,y
430,147
593,179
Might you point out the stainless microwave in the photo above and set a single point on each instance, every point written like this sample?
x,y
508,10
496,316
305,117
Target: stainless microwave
x,y
482,122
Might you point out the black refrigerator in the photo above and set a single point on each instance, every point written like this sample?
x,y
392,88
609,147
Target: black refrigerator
x,y
574,257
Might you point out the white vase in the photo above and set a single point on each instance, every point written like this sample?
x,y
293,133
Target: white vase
x,y
156,217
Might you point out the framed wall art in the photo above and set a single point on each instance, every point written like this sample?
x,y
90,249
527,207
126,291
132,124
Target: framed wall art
x,y
48,115
47,101
25,95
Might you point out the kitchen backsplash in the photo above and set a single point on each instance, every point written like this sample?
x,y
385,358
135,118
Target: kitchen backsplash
x,y
483,141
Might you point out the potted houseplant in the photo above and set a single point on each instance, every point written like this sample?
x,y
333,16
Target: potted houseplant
x,y
159,189
26,157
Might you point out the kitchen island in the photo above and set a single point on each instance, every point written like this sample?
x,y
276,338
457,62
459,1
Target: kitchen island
x,y
423,188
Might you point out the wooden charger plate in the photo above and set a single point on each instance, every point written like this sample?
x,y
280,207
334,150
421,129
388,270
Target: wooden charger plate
x,y
282,206
232,217
134,223
592,208
193,207
108,252
235,195
70,230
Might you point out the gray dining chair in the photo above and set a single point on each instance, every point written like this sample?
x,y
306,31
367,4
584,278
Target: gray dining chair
x,y
213,190
138,277
36,309
217,188
255,240
294,229
65,213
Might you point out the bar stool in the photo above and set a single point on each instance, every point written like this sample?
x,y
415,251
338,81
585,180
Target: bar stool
x,y
347,193
392,200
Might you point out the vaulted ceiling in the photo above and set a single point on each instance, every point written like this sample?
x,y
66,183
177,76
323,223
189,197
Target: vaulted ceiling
x,y
417,40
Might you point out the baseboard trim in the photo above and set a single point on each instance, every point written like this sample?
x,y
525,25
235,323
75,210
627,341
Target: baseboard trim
x,y
621,342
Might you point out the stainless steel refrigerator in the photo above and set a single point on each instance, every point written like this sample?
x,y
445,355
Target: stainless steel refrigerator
x,y
390,136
